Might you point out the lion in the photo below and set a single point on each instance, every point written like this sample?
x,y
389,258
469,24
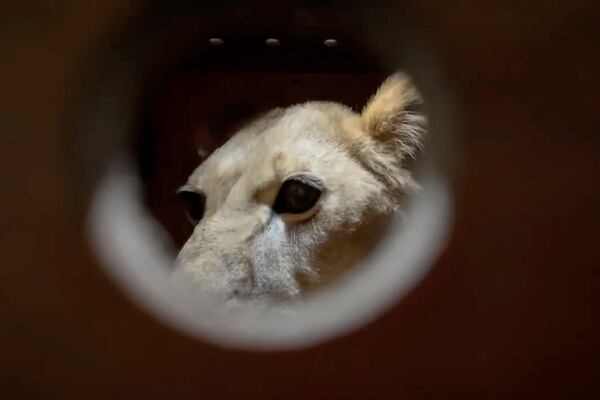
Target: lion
x,y
300,195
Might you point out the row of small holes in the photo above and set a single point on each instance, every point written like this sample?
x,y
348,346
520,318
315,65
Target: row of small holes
x,y
271,42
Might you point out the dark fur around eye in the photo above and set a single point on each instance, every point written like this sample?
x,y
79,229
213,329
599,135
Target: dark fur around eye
x,y
296,196
195,204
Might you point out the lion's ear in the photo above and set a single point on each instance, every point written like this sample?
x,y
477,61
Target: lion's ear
x,y
390,115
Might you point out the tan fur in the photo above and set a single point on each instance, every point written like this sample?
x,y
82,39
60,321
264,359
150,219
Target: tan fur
x,y
244,250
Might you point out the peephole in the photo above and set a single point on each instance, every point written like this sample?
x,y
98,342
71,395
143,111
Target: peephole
x,y
312,150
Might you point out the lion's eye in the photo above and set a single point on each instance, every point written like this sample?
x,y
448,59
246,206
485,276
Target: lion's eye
x,y
195,204
296,196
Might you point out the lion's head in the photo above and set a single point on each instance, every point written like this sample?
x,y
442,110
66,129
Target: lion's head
x,y
300,194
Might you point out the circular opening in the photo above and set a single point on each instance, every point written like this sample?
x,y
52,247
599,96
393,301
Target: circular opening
x,y
168,89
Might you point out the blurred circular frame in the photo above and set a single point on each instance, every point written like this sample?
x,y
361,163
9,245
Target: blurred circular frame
x,y
132,246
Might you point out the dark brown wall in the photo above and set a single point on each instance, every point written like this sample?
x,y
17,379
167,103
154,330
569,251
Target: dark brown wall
x,y
507,312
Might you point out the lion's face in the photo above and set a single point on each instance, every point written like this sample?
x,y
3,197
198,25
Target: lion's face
x,y
298,195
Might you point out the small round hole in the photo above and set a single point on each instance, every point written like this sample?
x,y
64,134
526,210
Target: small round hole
x,y
272,42
137,250
215,41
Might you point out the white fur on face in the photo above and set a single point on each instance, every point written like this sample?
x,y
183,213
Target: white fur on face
x,y
244,250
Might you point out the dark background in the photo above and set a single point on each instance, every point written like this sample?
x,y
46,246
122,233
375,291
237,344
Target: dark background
x,y
507,312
